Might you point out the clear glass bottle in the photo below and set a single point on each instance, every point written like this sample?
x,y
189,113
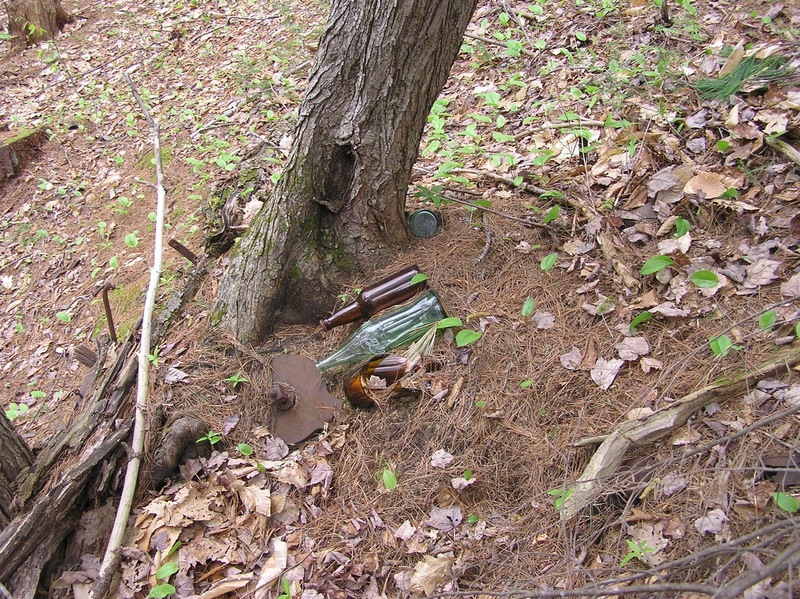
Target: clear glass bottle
x,y
389,330
390,291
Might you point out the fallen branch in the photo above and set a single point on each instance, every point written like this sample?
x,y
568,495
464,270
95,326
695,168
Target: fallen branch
x,y
110,559
784,148
611,452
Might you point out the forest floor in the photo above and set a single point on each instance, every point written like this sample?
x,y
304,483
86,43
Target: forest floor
x,y
633,238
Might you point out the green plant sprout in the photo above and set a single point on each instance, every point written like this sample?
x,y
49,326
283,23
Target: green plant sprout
x,y
722,345
637,550
15,410
786,502
287,589
213,437
655,264
245,449
389,479
163,573
561,495
153,358
767,320
236,379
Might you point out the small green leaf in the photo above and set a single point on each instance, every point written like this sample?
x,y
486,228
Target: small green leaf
x,y
640,318
722,145
467,336
418,278
36,394
518,180
549,261
113,262
132,239
175,546
528,307
525,384
656,263
166,570
450,321
468,474
161,590
786,502
767,320
552,214
480,403
681,226
473,519
245,449
580,36
797,329
704,279
64,316
722,346
389,479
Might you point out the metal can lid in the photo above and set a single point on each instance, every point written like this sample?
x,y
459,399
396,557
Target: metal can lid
x,y
424,223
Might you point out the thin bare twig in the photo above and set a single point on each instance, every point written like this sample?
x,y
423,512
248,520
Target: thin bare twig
x,y
523,221
788,558
112,555
588,591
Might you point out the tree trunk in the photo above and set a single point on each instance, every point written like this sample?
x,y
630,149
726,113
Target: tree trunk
x,y
32,21
341,198
14,458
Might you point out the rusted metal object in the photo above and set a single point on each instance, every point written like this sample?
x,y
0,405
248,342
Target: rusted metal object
x,y
300,401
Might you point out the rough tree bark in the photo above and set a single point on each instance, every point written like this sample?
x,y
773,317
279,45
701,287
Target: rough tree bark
x,y
32,21
339,204
14,458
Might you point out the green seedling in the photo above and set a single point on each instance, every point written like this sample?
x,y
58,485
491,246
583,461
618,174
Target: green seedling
x,y
561,495
643,316
389,479
655,264
132,239
549,261
786,502
704,279
287,589
528,307
64,316
722,346
153,358
163,573
466,336
236,379
767,320
245,449
552,214
15,410
526,384
637,551
681,227
213,437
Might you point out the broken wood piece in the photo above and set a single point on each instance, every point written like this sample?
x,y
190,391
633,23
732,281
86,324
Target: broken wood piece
x,y
183,250
609,456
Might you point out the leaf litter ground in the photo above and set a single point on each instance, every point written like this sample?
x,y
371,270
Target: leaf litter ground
x,y
588,103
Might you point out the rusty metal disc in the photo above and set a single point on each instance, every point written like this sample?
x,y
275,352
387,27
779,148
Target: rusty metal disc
x,y
301,404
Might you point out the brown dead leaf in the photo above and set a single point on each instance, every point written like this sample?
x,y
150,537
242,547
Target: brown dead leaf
x,y
430,572
711,185
605,371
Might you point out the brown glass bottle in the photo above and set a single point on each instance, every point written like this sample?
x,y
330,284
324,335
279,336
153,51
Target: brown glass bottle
x,y
379,375
392,290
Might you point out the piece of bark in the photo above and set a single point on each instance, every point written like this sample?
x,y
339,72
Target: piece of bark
x,y
661,423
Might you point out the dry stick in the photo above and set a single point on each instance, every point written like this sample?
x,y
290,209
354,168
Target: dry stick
x,y
112,557
784,148
589,591
488,40
788,558
609,455
582,122
107,307
525,222
508,181
489,238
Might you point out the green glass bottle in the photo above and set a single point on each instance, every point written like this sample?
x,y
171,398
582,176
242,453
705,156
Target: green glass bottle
x,y
388,330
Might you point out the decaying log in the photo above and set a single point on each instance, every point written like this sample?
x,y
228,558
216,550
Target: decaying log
x,y
661,423
49,501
